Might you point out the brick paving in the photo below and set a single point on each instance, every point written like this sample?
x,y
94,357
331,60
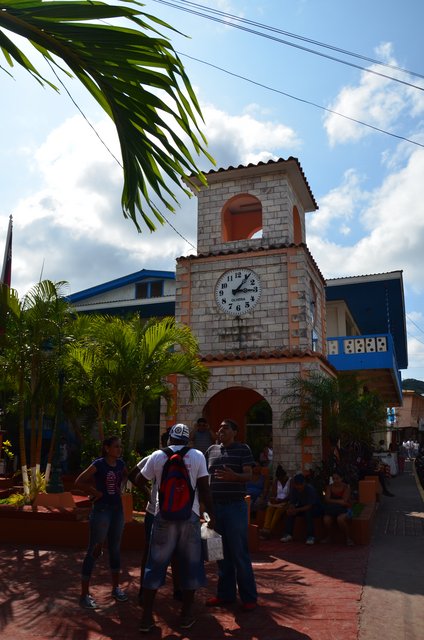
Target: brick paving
x,y
392,601
321,592
305,593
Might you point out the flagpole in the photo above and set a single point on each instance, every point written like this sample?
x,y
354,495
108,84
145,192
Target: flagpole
x,y
5,279
6,272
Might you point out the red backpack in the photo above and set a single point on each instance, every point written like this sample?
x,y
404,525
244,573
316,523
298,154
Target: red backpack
x,y
176,494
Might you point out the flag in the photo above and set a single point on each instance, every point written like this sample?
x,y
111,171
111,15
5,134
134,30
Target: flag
x,y
6,272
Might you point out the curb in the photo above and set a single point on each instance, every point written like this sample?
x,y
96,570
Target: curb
x,y
417,480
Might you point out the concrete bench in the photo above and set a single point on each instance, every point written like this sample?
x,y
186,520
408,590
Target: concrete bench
x,y
362,524
369,490
360,527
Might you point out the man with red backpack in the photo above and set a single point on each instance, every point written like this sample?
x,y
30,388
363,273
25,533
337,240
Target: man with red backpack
x,y
182,479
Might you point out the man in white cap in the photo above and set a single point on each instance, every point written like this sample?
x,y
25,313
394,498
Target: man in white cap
x,y
173,531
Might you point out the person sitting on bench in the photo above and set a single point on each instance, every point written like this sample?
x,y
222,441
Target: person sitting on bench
x,y
304,502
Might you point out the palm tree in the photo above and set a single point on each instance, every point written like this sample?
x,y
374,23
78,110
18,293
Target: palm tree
x,y
123,365
117,366
166,349
340,405
136,77
32,324
14,364
48,316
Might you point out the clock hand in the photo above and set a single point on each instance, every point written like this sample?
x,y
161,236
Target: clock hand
x,y
241,284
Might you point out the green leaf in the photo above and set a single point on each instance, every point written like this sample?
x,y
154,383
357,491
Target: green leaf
x,y
134,74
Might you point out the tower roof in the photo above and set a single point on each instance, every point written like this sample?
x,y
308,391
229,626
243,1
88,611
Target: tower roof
x,y
290,167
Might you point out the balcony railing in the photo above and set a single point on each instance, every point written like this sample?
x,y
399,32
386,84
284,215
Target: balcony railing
x,y
357,353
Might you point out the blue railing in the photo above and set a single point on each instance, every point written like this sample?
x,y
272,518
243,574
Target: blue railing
x,y
355,353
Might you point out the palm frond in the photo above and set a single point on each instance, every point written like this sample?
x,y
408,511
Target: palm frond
x,y
136,77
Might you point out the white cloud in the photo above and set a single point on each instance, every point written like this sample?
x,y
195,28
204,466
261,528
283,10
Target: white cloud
x,y
376,100
72,227
392,217
243,139
339,206
416,356
259,110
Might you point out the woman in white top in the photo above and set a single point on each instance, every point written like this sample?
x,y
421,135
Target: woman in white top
x,y
278,502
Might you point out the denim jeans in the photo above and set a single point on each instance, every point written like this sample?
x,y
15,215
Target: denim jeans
x,y
309,517
235,570
181,538
106,521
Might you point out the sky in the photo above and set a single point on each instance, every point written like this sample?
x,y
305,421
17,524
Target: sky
x,y
262,98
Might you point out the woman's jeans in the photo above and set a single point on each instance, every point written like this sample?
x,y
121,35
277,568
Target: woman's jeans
x,y
235,570
106,521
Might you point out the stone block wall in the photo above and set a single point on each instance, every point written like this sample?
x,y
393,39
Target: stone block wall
x,y
269,379
277,197
280,320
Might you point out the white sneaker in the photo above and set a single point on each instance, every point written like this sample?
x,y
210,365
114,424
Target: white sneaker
x,y
286,538
310,540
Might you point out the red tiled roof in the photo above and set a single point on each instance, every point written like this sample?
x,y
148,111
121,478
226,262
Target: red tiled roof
x,y
239,250
262,354
259,164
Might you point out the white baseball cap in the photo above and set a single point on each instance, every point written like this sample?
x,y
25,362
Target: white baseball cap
x,y
180,432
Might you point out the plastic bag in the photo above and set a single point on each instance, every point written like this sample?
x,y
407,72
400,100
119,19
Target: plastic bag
x,y
211,542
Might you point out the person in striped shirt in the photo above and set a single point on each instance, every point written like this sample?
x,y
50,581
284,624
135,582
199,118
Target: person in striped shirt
x,y
230,466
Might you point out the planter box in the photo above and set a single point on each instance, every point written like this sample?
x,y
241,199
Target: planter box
x,y
363,524
6,483
51,527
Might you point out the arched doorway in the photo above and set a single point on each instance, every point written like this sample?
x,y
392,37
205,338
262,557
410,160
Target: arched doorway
x,y
248,408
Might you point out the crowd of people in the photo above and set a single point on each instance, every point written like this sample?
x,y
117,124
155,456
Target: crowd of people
x,y
411,449
193,472
205,474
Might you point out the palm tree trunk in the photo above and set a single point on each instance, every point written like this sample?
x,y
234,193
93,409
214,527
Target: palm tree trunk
x,y
100,429
39,440
50,455
132,424
33,444
22,448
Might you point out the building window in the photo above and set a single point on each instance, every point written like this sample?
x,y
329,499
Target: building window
x,y
149,289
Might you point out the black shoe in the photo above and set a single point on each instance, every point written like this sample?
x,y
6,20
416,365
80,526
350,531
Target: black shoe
x,y
187,622
147,626
388,494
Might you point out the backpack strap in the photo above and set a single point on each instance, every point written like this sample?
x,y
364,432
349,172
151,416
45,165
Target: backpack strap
x,y
183,451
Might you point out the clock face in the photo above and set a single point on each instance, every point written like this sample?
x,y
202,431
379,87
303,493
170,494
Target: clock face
x,y
238,291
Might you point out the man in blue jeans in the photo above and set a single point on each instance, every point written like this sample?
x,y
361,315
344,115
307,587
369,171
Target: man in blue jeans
x,y
230,466
169,537
303,502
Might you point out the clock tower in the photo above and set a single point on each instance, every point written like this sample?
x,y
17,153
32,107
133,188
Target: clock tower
x,y
254,297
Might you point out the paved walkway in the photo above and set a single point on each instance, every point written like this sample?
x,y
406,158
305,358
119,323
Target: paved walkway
x,y
305,592
392,604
